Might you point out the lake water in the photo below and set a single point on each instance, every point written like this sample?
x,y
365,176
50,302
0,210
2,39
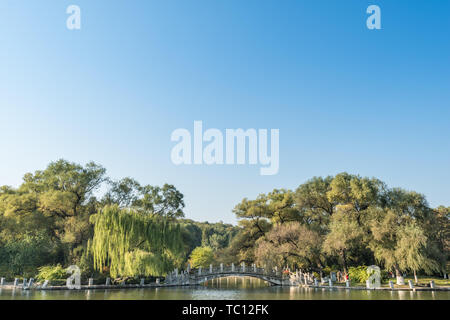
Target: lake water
x,y
232,288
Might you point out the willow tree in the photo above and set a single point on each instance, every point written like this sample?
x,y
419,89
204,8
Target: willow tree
x,y
400,243
133,244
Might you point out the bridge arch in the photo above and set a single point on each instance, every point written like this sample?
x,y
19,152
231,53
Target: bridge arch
x,y
272,280
200,275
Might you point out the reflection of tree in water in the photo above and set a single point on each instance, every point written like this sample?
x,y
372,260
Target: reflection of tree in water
x,y
236,283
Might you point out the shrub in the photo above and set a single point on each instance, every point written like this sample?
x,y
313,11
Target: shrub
x,y
358,274
52,273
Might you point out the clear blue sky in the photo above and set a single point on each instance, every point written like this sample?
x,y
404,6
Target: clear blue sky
x,y
374,103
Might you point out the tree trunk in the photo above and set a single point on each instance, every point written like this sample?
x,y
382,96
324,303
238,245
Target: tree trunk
x,y
344,262
415,277
400,279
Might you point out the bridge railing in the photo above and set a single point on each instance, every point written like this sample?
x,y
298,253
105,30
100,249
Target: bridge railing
x,y
194,275
237,270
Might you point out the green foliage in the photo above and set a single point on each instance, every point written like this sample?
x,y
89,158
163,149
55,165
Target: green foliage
x,y
131,243
289,244
52,273
54,218
217,236
26,254
277,206
164,201
47,220
358,274
55,202
314,207
201,257
399,239
360,219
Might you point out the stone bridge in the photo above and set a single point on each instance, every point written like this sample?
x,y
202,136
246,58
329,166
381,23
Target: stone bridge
x,y
199,276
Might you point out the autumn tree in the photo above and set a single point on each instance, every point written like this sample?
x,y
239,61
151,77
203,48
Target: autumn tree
x,y
290,244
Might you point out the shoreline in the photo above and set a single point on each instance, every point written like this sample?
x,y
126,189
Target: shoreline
x,y
154,285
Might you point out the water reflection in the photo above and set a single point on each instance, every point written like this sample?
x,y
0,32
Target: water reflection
x,y
236,283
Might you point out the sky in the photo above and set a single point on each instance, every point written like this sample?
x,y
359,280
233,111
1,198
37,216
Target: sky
x,y
345,98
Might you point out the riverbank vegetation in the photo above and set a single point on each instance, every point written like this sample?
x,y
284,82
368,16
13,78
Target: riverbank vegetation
x,y
72,214
344,221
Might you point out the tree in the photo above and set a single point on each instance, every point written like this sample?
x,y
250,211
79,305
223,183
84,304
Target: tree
x,y
345,234
217,236
163,201
26,254
201,257
124,193
241,247
64,187
411,250
131,243
58,200
166,201
290,244
360,193
400,242
277,206
257,217
313,204
441,234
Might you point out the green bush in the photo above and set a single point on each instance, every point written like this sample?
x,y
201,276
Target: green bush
x,y
201,257
359,274
52,273
21,257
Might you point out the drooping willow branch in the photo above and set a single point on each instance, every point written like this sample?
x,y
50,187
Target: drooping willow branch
x,y
131,243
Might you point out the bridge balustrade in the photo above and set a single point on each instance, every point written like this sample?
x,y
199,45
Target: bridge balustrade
x,y
198,275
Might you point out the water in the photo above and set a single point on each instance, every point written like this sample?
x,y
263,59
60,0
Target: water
x,y
232,288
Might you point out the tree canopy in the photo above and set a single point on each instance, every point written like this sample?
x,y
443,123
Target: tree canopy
x,y
75,214
201,257
131,243
358,220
